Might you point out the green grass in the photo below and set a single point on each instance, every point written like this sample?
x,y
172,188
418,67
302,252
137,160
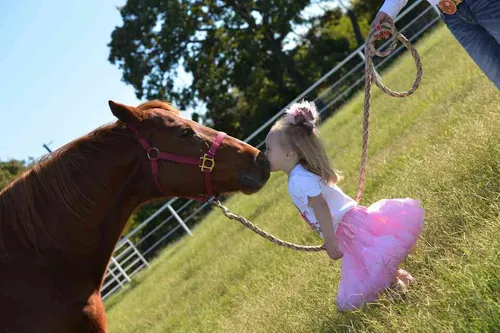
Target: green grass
x,y
441,145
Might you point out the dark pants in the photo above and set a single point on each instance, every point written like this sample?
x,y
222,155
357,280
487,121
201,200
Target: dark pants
x,y
476,26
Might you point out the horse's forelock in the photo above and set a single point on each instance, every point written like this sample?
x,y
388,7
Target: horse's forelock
x,y
156,104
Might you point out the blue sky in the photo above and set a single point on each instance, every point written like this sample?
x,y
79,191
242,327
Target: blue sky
x,y
56,79
55,76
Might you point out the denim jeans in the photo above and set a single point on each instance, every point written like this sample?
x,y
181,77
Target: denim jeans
x,y
476,26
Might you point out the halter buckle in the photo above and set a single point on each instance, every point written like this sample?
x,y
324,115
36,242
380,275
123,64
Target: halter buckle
x,y
203,166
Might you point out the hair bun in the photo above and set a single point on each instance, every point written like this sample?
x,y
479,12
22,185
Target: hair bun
x,y
303,113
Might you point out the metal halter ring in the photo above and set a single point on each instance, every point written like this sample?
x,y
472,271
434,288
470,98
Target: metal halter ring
x,y
157,154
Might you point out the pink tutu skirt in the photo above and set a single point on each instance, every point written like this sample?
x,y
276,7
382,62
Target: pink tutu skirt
x,y
374,241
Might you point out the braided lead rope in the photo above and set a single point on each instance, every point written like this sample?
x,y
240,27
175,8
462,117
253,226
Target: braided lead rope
x,y
263,233
371,75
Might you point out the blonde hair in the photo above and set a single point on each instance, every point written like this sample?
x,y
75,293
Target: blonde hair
x,y
299,132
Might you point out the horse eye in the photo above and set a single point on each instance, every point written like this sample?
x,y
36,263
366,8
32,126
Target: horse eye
x,y
187,132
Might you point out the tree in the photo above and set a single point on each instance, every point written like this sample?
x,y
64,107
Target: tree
x,y
348,7
233,50
9,171
236,51
370,7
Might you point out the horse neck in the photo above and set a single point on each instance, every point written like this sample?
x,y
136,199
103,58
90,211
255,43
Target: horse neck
x,y
125,189
80,219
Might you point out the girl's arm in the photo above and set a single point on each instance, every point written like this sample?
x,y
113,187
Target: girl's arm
x,y
322,212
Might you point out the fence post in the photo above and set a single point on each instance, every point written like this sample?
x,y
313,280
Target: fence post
x,y
136,251
120,269
437,10
360,53
178,218
110,271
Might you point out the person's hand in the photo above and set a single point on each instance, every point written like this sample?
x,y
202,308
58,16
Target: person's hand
x,y
381,18
333,251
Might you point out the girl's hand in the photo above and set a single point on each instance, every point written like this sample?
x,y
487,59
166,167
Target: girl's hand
x,y
380,19
333,251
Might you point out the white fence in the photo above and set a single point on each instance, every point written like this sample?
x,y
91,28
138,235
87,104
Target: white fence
x,y
125,262
329,92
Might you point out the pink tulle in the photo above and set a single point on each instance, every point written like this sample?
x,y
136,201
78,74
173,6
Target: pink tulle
x,y
375,240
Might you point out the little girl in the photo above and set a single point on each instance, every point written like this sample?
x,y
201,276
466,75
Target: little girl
x,y
372,241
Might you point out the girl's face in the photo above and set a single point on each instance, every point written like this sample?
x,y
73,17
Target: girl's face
x,y
278,156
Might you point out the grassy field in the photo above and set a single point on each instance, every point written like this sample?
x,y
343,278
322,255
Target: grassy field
x,y
441,145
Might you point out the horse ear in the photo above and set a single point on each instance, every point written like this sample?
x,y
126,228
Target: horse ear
x,y
127,114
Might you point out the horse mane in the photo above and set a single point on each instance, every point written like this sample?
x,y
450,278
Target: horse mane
x,y
52,179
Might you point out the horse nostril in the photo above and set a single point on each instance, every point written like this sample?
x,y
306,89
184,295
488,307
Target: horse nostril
x,y
261,160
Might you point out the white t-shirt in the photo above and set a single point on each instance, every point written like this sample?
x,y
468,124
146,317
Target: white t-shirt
x,y
303,184
393,7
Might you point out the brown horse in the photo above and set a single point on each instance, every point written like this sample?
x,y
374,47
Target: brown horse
x,y
60,221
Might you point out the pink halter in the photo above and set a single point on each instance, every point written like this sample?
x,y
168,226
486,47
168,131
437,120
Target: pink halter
x,y
154,154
